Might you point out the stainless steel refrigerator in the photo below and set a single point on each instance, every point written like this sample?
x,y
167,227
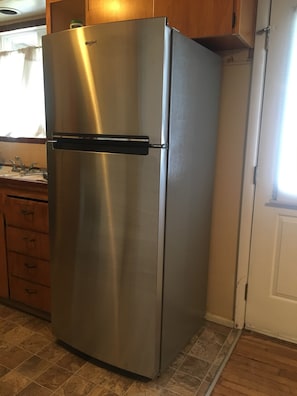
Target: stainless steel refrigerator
x,y
131,111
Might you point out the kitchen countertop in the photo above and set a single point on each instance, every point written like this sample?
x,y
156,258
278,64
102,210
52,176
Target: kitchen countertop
x,y
31,185
6,173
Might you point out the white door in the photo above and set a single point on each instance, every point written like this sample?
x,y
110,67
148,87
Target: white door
x,y
272,285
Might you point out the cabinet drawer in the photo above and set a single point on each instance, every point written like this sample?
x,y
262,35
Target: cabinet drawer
x,y
29,293
26,213
29,243
29,268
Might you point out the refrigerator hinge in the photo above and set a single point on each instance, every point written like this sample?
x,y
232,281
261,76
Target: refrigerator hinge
x,y
267,31
159,146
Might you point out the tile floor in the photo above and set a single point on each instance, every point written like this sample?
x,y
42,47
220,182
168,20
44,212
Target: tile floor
x,y
33,364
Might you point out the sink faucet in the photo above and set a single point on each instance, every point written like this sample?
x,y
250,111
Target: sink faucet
x,y
32,167
17,164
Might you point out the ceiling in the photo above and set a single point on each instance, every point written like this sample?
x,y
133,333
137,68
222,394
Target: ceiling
x,y
26,10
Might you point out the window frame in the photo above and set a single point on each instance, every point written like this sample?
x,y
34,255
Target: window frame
x,y
16,26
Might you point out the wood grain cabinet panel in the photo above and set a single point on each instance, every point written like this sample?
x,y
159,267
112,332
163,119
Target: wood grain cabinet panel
x,y
59,14
27,250
203,18
28,214
3,266
29,293
30,243
100,11
218,24
29,268
245,23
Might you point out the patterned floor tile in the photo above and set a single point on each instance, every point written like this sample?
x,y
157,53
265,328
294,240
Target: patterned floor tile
x,y
35,390
53,377
32,363
11,356
195,367
12,383
33,367
34,343
183,384
75,386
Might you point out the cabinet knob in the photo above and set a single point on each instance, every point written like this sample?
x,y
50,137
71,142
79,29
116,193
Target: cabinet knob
x,y
30,242
29,266
27,212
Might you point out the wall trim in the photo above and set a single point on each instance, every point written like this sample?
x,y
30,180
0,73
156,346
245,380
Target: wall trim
x,y
251,153
219,320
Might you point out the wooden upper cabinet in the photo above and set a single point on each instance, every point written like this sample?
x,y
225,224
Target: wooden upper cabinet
x,y
204,18
60,13
245,12
217,24
100,11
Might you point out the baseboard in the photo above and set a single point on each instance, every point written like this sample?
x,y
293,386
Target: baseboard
x,y
220,320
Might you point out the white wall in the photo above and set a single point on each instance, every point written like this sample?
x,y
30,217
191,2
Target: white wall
x,y
228,185
29,153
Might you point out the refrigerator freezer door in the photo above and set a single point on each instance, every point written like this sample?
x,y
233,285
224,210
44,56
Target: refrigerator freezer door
x,y
107,231
108,79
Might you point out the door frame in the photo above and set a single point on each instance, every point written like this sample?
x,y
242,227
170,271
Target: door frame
x,y
250,161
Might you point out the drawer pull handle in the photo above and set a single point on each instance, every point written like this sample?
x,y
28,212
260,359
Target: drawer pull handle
x,y
29,266
28,239
31,291
27,212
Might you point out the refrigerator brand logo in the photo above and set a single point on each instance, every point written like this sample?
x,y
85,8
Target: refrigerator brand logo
x,y
91,42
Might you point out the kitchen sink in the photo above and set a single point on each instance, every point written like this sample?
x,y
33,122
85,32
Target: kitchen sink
x,y
34,175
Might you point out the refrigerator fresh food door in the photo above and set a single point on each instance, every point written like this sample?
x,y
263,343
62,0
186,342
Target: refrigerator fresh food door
x,y
107,237
108,79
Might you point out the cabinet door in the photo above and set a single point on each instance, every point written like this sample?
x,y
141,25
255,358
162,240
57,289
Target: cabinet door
x,y
245,20
29,293
29,243
177,13
3,265
29,268
198,18
59,13
100,11
28,214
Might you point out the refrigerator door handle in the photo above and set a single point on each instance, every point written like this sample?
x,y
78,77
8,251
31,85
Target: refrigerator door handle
x,y
105,143
159,146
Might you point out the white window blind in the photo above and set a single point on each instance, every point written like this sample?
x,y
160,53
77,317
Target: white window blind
x,y
21,84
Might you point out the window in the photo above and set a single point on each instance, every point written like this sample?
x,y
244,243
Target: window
x,y
287,169
21,82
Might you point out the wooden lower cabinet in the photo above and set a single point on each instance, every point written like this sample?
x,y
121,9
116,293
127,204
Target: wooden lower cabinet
x,y
26,282
30,268
26,213
28,242
29,293
4,292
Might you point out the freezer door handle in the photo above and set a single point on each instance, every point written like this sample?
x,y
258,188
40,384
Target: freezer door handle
x,y
103,143
159,146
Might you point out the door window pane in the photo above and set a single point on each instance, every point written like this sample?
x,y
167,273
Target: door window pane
x,y
287,169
